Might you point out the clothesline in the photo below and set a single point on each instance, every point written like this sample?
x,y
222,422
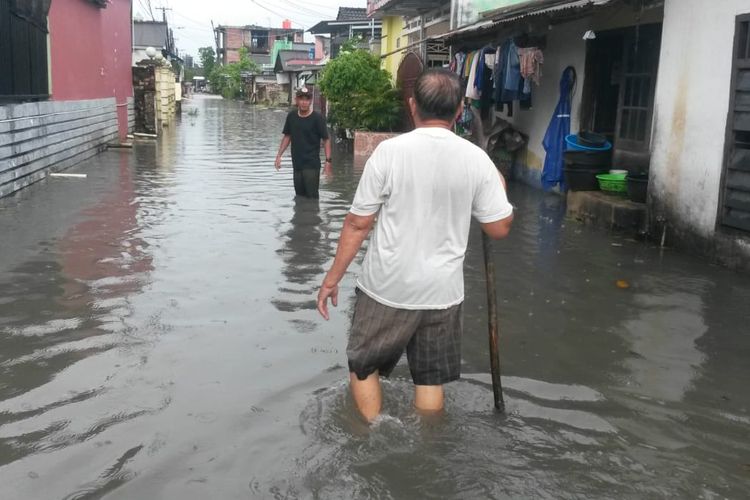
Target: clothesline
x,y
501,74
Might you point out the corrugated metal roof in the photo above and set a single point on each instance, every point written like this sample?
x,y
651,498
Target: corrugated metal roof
x,y
497,18
536,8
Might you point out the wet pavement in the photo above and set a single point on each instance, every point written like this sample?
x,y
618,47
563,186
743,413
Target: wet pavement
x,y
158,339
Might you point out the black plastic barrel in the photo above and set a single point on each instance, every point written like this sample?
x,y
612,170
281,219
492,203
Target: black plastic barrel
x,y
637,187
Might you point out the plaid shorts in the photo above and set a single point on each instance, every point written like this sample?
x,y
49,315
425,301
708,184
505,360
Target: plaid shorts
x,y
432,339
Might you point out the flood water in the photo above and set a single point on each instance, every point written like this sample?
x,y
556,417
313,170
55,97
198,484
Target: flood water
x,y
159,339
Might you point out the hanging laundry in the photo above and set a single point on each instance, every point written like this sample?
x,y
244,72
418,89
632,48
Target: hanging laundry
x,y
472,92
467,64
457,63
531,59
512,73
508,82
559,128
482,66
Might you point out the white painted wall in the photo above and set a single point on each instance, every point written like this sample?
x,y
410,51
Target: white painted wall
x,y
565,47
690,116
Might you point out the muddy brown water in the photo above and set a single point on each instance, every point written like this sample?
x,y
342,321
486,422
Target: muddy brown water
x,y
158,339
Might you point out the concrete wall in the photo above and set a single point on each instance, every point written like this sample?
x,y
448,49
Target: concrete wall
x,y
90,53
565,47
692,104
165,96
393,27
465,12
131,115
36,138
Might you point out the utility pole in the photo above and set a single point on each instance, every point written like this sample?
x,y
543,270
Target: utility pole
x,y
216,40
163,12
170,37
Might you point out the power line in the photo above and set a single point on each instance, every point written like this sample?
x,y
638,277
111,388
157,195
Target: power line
x,y
306,11
197,23
148,2
144,7
276,13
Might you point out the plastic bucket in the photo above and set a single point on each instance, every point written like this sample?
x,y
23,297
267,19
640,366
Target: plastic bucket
x,y
572,142
637,187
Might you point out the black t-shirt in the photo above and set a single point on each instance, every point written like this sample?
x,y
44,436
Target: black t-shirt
x,y
306,135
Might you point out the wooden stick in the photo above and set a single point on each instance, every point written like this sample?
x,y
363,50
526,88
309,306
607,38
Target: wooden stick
x,y
483,139
489,271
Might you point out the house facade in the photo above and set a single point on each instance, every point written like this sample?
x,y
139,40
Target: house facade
x,y
257,40
671,104
350,22
68,92
412,26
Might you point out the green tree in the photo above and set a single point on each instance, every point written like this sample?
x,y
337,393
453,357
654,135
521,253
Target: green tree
x,y
360,94
227,80
208,59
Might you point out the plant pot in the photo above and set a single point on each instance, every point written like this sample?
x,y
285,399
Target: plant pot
x,y
637,187
366,142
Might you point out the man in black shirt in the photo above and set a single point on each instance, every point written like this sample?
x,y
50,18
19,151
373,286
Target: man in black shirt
x,y
305,129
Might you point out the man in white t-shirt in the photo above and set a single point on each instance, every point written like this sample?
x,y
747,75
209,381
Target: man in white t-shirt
x,y
423,188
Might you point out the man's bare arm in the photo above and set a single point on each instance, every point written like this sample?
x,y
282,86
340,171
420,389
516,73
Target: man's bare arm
x,y
500,228
285,141
355,230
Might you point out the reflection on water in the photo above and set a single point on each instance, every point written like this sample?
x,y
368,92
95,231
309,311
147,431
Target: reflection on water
x,y
159,339
304,254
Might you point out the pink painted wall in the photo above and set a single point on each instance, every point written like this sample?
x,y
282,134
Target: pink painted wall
x,y
90,51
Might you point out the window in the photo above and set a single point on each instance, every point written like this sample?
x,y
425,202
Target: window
x,y
735,203
23,49
640,64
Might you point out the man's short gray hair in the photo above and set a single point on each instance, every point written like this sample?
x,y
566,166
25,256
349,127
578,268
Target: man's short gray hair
x,y
438,93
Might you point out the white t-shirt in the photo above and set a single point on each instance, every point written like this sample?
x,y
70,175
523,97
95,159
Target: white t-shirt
x,y
426,185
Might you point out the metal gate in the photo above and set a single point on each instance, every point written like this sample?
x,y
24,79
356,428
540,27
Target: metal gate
x,y
408,71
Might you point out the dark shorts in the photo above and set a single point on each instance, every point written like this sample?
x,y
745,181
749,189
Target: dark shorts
x,y
307,182
432,339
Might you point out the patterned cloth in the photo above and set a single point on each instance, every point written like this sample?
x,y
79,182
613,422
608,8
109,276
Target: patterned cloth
x,y
531,63
432,339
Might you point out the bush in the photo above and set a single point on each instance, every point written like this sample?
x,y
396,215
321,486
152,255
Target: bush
x,y
227,80
360,94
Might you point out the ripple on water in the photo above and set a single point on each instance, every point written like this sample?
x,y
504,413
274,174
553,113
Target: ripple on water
x,y
557,449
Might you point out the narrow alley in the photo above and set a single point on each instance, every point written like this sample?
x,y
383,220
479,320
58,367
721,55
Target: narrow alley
x,y
159,339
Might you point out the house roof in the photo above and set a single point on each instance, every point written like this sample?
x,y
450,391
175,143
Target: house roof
x,y
377,8
347,16
150,34
351,14
255,27
260,59
504,17
294,60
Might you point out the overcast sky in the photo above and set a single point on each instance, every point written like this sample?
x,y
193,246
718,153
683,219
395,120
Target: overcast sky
x,y
191,19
